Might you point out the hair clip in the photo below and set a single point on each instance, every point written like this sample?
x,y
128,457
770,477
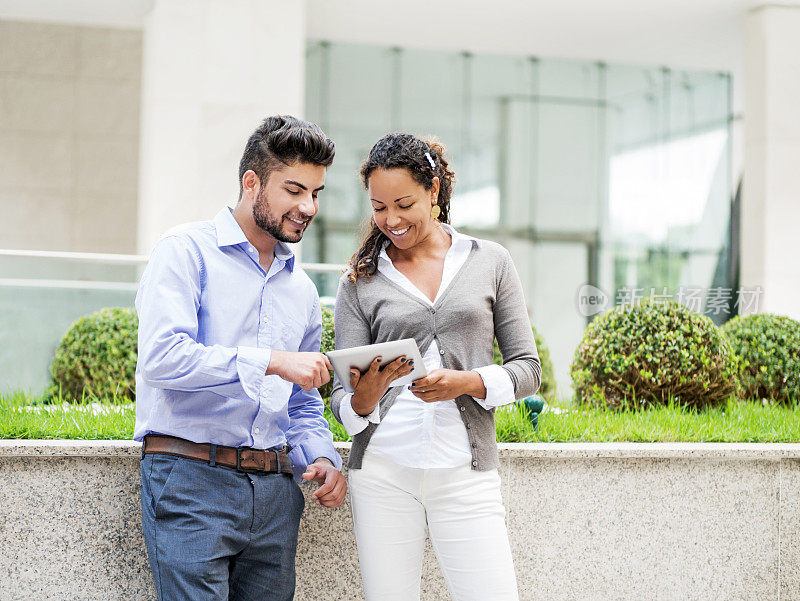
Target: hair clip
x,y
430,160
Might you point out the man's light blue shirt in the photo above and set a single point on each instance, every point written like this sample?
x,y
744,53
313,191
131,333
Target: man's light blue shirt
x,y
209,317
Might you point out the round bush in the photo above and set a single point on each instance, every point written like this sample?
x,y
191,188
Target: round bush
x,y
548,387
651,353
767,348
96,359
326,345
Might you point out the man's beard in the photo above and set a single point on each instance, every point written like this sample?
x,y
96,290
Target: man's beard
x,y
274,227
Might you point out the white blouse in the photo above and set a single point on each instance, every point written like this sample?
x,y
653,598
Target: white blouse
x,y
419,434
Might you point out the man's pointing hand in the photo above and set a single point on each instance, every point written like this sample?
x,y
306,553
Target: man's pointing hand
x,y
307,370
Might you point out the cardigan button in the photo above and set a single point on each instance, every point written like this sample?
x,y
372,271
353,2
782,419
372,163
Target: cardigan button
x,y
474,464
469,426
474,445
441,352
464,409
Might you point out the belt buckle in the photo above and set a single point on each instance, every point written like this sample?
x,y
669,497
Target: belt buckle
x,y
247,470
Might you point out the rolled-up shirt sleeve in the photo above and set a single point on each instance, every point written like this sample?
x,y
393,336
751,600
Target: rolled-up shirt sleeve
x,y
169,354
308,433
352,421
499,387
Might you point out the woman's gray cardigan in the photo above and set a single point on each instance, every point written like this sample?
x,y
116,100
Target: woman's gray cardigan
x,y
484,301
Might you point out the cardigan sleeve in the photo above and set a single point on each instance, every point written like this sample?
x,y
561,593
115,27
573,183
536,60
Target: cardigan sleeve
x,y
512,328
351,328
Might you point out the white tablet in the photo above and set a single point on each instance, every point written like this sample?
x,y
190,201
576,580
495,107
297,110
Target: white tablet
x,y
361,357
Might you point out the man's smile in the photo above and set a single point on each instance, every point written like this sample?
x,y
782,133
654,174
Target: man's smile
x,y
299,222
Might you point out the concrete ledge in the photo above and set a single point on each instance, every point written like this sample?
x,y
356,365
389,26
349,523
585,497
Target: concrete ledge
x,y
601,521
542,450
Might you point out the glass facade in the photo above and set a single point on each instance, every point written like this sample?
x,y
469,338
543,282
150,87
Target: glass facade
x,y
40,298
612,175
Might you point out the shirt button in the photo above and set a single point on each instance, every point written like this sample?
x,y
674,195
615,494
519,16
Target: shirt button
x,y
258,430
474,464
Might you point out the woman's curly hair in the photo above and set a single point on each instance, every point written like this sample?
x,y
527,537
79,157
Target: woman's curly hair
x,y
401,151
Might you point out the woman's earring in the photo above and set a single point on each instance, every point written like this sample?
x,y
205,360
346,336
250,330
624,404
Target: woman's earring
x,y
435,211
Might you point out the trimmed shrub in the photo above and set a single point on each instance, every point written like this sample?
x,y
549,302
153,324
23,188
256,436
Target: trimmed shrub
x,y
653,353
768,351
327,344
97,357
548,387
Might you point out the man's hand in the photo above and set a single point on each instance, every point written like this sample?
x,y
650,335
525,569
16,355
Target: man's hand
x,y
333,484
307,370
447,384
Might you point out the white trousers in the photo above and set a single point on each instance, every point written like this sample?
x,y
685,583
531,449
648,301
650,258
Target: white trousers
x,y
463,511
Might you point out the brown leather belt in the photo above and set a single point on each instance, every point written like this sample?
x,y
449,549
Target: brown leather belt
x,y
241,459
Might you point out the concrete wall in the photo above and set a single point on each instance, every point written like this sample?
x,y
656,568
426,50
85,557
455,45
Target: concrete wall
x,y
662,522
69,137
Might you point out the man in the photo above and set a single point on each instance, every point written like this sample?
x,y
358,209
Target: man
x,y
229,362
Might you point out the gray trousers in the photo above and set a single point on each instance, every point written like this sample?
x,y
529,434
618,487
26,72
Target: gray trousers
x,y
213,533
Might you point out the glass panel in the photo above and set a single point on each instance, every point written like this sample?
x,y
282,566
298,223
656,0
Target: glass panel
x,y
669,173
568,79
559,270
567,198
494,82
432,93
33,321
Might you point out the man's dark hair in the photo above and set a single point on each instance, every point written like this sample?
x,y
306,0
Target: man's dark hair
x,y
284,140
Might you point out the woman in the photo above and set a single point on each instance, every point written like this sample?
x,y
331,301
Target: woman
x,y
426,455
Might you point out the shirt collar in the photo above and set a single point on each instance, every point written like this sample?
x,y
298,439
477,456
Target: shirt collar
x,y
285,254
457,239
229,233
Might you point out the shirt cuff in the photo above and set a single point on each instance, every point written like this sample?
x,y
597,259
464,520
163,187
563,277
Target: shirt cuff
x,y
310,450
499,387
251,365
352,421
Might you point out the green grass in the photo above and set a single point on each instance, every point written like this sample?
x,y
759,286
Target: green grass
x,y
736,421
24,416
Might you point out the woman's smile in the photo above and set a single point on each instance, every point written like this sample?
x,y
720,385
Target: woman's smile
x,y
398,232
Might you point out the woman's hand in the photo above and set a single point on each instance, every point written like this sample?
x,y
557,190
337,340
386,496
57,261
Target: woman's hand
x,y
447,384
370,386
